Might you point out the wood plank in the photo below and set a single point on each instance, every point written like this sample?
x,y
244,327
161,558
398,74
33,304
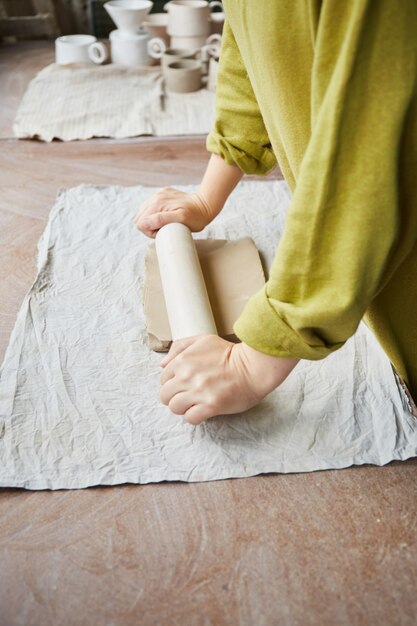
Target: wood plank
x,y
303,550
19,63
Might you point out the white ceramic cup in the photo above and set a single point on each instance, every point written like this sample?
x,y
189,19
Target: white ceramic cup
x,y
128,15
79,49
212,43
188,43
183,76
134,50
190,18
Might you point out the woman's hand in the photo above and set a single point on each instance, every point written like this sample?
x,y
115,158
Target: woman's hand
x,y
205,376
171,205
195,210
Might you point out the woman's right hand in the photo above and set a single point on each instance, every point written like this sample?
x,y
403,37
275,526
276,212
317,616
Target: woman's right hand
x,y
171,205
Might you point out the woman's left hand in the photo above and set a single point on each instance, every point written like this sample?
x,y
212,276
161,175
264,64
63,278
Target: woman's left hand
x,y
206,376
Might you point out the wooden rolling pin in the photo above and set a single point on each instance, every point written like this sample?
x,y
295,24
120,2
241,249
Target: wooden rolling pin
x,y
186,298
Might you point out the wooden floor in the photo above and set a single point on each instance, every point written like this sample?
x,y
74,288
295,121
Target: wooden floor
x,y
326,549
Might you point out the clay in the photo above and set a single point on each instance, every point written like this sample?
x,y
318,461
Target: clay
x,y
232,272
183,76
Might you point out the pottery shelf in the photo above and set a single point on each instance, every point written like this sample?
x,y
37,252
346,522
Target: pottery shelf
x,y
28,19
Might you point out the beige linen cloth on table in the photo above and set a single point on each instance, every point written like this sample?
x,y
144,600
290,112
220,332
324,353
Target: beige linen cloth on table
x,y
79,385
81,101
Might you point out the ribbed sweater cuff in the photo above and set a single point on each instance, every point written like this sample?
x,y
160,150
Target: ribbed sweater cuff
x,y
260,327
249,157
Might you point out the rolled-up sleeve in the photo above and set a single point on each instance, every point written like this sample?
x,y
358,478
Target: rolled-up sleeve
x,y
344,231
239,135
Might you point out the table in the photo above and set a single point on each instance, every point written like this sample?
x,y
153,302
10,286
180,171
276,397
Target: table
x,y
328,548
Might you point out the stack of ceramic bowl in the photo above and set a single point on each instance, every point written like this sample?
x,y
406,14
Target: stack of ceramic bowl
x,y
189,22
131,44
185,64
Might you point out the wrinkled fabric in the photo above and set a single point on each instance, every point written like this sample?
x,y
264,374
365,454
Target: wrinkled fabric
x,y
81,101
79,386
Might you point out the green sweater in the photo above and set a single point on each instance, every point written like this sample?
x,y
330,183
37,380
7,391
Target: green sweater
x,y
328,89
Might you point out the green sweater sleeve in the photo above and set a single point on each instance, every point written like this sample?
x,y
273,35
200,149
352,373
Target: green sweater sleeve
x,y
239,135
343,228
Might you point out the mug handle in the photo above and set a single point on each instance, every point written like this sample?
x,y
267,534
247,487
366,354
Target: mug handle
x,y
203,54
213,45
156,47
97,52
214,4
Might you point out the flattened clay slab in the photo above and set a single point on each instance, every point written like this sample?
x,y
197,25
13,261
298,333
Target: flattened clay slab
x,y
232,272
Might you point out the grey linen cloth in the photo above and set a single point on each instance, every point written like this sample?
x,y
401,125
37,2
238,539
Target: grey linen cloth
x,y
79,387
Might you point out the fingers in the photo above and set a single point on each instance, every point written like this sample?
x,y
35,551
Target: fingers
x,y
184,403
198,413
181,403
177,399
169,390
172,206
176,348
161,204
152,223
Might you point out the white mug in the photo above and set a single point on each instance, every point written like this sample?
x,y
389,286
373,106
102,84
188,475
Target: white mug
x,y
79,49
188,43
133,50
211,44
190,18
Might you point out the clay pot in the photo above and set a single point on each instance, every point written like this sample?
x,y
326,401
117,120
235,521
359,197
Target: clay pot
x,y
175,54
183,76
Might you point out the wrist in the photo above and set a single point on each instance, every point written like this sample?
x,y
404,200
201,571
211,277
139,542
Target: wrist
x,y
211,200
267,372
218,182
205,206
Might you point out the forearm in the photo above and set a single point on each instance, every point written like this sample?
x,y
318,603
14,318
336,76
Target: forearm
x,y
218,182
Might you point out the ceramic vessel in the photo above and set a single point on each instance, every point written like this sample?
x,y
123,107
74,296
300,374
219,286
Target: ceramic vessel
x,y
188,43
213,44
190,18
156,25
183,76
135,50
213,68
195,43
175,54
128,15
79,49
